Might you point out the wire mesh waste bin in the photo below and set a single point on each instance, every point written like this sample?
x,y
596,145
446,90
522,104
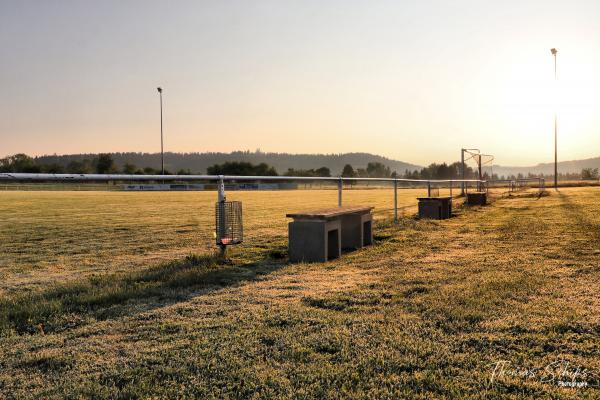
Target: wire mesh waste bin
x,y
229,229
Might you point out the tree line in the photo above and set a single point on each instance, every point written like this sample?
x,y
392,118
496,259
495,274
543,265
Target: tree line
x,y
105,164
433,171
100,164
380,170
200,162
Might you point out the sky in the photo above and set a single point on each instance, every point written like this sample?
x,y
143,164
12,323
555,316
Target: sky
x,y
410,80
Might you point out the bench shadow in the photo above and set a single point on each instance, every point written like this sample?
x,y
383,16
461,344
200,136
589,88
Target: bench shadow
x,y
110,296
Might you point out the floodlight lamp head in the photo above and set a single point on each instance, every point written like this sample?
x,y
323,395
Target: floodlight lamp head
x,y
159,89
553,51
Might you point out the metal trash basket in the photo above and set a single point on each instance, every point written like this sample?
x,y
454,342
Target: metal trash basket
x,y
229,229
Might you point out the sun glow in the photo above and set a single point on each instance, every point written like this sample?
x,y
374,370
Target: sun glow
x,y
526,97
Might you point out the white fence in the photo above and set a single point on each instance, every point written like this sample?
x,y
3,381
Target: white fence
x,y
220,180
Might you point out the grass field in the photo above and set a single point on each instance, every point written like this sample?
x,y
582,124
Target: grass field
x,y
52,236
115,295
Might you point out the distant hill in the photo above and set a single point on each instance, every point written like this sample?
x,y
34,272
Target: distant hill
x,y
198,162
573,166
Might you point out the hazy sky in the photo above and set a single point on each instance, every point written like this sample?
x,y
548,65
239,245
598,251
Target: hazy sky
x,y
411,80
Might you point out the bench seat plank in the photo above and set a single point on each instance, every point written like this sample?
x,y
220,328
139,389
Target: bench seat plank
x,y
330,213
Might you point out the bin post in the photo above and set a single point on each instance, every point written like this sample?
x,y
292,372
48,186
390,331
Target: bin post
x,y
221,205
221,190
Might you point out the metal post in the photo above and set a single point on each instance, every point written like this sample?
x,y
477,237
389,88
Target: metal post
x,y
480,175
221,190
395,200
554,51
542,185
162,154
451,189
428,189
222,223
462,168
340,188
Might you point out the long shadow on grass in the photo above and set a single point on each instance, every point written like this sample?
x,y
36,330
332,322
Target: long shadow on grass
x,y
579,217
111,295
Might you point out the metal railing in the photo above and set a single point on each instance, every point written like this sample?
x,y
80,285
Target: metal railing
x,y
220,179
517,184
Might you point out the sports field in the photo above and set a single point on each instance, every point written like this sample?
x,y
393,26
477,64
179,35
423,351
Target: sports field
x,y
51,236
113,295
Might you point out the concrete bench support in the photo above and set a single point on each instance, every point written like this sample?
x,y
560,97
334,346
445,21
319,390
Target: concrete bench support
x,y
314,240
318,236
435,207
356,231
477,198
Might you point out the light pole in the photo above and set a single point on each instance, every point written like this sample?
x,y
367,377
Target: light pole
x,y
554,51
162,153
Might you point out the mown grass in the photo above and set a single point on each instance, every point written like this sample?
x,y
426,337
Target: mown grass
x,y
427,312
47,237
96,295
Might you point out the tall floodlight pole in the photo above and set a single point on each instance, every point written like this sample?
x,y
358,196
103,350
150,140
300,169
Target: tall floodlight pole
x,y
554,51
162,153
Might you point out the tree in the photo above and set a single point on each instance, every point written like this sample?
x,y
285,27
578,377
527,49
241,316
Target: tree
x,y
323,171
54,168
378,170
348,171
362,173
264,169
19,163
80,167
412,174
105,164
241,168
589,173
129,168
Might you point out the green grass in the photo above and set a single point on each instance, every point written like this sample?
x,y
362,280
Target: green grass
x,y
427,312
47,237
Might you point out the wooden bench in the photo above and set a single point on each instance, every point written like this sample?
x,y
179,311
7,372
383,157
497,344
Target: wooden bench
x,y
320,235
